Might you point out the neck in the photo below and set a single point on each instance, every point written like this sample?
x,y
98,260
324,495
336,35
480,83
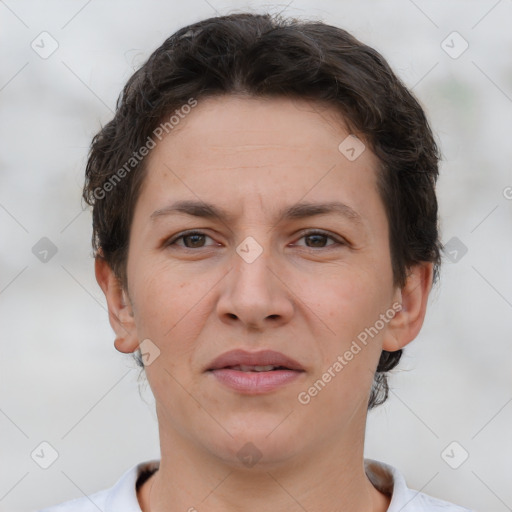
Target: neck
x,y
331,478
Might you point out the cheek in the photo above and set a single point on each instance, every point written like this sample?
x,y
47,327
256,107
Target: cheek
x,y
348,299
351,305
165,300
350,302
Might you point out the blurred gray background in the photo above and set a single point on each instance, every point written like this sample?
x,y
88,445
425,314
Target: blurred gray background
x,y
447,424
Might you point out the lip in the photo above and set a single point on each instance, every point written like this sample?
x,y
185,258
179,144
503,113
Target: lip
x,y
254,383
260,358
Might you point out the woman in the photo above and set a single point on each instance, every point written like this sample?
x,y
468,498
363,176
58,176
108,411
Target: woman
x,y
265,227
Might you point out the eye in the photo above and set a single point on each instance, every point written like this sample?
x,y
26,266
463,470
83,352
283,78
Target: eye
x,y
318,239
197,240
190,239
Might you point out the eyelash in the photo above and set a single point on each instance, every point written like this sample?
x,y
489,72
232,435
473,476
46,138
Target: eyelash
x,y
337,241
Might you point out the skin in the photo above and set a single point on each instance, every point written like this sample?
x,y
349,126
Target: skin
x,y
305,296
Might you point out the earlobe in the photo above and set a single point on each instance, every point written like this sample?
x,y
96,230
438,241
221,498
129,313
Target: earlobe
x,y
407,322
120,309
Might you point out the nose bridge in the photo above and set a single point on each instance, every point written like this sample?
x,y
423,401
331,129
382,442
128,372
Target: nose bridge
x,y
252,263
253,292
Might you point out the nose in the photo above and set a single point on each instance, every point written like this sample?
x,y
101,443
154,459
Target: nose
x,y
256,293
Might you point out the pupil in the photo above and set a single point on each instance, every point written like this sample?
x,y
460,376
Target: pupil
x,y
320,238
196,237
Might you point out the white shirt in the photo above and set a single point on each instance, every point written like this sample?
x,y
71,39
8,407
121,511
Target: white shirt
x,y
122,497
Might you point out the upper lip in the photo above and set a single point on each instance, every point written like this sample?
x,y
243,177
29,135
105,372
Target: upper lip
x,y
261,358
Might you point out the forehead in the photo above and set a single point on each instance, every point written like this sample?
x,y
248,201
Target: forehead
x,y
231,147
258,124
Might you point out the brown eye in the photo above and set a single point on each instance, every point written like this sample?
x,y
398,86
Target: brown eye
x,y
190,240
195,240
316,240
319,240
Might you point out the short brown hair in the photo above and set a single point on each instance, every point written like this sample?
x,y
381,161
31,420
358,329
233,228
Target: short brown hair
x,y
263,55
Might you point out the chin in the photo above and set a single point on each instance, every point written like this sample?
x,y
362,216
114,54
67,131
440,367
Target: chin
x,y
257,443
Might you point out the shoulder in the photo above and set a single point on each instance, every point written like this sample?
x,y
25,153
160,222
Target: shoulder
x,y
121,496
89,503
424,503
388,479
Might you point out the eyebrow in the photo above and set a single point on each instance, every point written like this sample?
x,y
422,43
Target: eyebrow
x,y
297,211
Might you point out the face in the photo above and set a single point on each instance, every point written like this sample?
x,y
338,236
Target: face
x,y
279,243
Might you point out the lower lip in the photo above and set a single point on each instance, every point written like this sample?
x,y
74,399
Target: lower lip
x,y
255,383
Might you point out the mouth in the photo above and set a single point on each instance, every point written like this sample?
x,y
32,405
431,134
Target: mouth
x,y
262,361
255,368
254,373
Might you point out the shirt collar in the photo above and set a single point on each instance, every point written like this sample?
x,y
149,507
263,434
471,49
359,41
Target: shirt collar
x,y
385,478
123,495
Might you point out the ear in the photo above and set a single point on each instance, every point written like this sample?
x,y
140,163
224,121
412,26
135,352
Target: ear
x,y
413,297
120,311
